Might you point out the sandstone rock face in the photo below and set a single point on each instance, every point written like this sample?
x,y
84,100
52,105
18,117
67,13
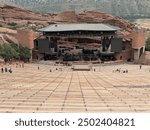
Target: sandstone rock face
x,y
66,17
28,19
10,14
8,31
19,18
7,36
11,39
98,17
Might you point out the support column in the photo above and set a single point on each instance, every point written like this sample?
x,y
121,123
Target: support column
x,y
136,54
143,49
50,45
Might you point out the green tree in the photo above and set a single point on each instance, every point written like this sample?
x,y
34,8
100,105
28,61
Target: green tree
x,y
24,53
147,47
7,52
15,51
12,24
15,46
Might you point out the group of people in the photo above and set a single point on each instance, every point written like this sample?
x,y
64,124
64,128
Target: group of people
x,y
60,69
126,71
5,70
9,69
20,65
119,70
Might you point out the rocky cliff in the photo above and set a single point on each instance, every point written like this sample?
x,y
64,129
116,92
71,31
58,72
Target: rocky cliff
x,y
14,18
11,16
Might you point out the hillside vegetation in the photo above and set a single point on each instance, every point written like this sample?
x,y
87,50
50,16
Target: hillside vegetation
x,y
123,8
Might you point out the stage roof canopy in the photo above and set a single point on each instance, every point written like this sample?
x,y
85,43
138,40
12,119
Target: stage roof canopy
x,y
79,27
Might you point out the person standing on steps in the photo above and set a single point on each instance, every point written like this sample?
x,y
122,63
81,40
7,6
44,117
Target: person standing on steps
x,y
140,67
6,69
10,70
2,70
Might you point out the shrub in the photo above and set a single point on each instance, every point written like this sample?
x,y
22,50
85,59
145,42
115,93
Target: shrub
x,y
147,47
29,22
12,24
24,53
14,51
7,52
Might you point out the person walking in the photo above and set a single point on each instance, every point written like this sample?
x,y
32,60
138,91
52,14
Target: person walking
x,y
6,69
10,70
2,70
140,67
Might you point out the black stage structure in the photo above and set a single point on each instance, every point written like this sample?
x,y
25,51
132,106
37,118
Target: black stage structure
x,y
109,43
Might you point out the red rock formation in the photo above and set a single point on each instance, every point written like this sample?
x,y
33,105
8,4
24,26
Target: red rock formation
x,y
30,20
66,17
7,36
9,14
98,17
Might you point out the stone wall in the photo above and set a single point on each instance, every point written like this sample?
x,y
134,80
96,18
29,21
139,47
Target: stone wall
x,y
138,38
124,55
26,38
147,55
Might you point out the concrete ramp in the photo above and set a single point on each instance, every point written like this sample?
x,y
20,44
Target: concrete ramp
x,y
81,68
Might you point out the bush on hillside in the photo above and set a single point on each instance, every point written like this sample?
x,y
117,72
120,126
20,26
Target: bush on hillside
x,y
147,47
14,51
